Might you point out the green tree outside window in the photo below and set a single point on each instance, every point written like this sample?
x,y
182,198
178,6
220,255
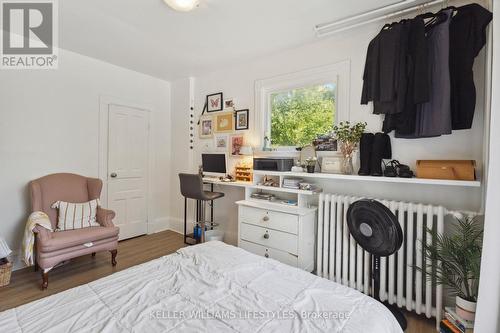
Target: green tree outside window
x,y
298,116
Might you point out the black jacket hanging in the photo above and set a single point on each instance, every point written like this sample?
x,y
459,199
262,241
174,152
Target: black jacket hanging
x,y
417,76
467,38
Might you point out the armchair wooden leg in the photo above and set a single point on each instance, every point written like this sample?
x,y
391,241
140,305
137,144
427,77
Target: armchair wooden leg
x,y
45,278
113,257
93,254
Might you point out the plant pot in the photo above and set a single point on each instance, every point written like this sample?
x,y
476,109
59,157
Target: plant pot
x,y
310,168
465,309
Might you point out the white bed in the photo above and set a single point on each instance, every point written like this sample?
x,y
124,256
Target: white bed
x,y
204,288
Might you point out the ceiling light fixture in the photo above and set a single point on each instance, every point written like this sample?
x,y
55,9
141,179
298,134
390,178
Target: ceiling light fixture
x,y
182,5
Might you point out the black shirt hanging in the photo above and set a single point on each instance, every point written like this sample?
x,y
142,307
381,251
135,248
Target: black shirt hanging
x,y
467,38
417,79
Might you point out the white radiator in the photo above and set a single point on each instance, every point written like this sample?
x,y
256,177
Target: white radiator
x,y
341,259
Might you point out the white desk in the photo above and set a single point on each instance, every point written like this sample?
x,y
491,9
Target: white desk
x,y
216,181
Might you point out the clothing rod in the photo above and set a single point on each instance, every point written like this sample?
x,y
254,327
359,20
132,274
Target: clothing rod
x,y
321,32
362,15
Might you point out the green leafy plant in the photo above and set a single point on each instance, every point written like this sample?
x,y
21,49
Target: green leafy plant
x,y
459,254
311,161
346,133
348,136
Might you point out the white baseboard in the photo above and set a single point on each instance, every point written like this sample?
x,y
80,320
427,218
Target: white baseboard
x,y
158,225
177,224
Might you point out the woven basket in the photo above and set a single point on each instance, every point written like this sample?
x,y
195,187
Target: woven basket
x,y
5,271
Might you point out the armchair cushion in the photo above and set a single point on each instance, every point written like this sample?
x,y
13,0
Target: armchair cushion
x,y
76,215
69,238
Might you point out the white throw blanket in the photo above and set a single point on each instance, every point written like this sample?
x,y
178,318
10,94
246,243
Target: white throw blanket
x,y
36,218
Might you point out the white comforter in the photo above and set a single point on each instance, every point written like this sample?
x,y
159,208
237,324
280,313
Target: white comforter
x,y
211,287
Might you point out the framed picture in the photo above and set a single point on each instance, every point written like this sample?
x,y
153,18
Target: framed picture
x,y
236,142
214,102
241,120
229,104
206,127
224,122
331,164
221,142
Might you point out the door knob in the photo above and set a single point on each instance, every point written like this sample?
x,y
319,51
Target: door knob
x,y
266,255
266,235
265,218
113,175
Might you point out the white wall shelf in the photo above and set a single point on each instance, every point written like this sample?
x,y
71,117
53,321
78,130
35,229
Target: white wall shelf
x,y
421,181
283,189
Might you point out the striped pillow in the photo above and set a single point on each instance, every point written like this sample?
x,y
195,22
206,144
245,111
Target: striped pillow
x,y
76,215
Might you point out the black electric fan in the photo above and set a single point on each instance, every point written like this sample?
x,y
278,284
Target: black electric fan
x,y
376,229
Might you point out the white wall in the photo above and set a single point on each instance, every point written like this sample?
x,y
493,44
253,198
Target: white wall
x,y
238,82
488,310
49,122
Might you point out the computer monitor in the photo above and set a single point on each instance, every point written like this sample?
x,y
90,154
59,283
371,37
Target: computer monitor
x,y
214,164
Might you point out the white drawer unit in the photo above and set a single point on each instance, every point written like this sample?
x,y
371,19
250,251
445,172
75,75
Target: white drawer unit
x,y
268,252
268,237
269,219
286,234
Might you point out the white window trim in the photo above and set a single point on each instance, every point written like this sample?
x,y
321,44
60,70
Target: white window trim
x,y
338,73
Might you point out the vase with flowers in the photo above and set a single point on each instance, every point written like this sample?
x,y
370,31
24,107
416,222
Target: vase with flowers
x,y
348,137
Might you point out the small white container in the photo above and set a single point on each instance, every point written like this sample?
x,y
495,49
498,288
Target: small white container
x,y
214,235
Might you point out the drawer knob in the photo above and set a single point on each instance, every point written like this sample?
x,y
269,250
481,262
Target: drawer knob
x,y
266,255
265,218
266,235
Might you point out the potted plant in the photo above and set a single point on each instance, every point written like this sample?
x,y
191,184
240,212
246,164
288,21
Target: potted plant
x,y
459,253
311,164
348,137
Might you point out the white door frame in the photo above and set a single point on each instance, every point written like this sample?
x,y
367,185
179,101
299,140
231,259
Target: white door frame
x,y
104,102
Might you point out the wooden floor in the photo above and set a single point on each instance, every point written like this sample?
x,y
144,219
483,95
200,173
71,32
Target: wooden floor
x,y
25,283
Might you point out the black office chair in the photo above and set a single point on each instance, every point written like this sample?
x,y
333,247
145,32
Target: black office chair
x,y
192,188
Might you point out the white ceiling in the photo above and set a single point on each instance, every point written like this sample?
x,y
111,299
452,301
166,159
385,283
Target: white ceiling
x,y
149,37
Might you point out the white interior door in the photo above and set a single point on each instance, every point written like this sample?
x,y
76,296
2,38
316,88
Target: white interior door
x,y
128,148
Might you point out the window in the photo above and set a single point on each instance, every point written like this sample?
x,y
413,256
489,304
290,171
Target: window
x,y
299,115
293,109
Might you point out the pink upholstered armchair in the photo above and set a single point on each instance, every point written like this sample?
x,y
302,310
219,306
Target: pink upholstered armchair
x,y
55,247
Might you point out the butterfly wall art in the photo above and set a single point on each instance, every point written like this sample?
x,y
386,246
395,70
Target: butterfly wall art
x,y
215,102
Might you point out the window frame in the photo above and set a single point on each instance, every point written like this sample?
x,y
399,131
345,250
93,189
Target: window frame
x,y
337,73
